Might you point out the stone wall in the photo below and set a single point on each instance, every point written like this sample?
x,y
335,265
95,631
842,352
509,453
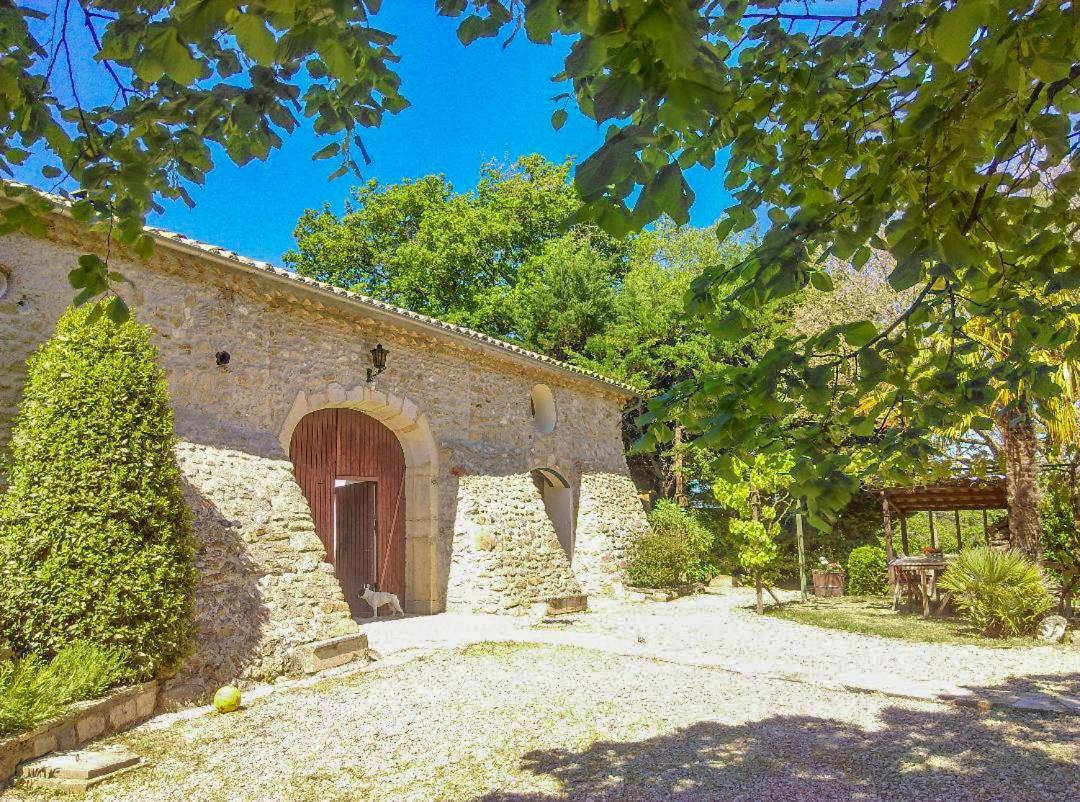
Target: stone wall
x,y
263,586
610,517
506,554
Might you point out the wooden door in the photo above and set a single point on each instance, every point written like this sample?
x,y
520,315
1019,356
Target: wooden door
x,y
355,541
332,445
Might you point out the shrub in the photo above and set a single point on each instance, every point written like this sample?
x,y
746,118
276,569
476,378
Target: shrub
x,y
1001,593
670,519
32,691
867,572
675,545
657,561
95,541
1060,538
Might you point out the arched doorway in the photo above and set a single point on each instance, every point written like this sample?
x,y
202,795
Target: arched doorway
x,y
559,504
352,471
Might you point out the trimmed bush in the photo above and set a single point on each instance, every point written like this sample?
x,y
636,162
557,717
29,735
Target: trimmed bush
x,y
32,691
95,540
1001,593
662,557
867,572
657,560
669,519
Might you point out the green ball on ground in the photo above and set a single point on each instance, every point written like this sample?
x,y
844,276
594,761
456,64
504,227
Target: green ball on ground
x,y
227,699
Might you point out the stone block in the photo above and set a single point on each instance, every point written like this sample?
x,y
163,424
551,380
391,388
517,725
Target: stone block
x,y
567,604
81,765
76,772
123,714
331,653
89,725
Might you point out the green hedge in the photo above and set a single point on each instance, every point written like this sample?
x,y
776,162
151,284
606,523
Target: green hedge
x,y
867,572
95,540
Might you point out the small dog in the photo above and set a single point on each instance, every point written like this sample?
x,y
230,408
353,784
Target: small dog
x,y
377,598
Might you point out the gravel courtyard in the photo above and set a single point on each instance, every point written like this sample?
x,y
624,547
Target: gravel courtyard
x,y
540,721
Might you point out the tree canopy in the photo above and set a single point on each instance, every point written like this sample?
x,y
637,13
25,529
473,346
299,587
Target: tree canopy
x,y
500,259
942,134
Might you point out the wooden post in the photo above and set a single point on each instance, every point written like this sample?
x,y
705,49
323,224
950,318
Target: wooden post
x,y
933,531
802,554
986,528
889,554
959,537
903,534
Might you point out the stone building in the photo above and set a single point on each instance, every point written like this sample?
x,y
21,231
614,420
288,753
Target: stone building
x,y
468,474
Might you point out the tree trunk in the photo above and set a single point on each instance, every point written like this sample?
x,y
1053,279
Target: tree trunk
x,y
757,586
1022,481
681,498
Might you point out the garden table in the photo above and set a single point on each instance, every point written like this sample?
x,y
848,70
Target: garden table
x,y
927,570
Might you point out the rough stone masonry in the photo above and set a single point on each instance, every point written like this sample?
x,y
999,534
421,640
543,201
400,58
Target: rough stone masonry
x,y
461,404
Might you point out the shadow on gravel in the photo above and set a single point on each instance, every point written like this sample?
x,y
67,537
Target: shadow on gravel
x,y
958,753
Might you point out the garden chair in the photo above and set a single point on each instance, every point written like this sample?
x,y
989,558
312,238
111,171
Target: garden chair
x,y
902,583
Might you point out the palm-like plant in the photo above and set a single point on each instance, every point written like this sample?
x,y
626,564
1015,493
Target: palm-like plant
x,y
999,592
1047,399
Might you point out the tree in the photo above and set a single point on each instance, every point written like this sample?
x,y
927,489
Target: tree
x,y
180,76
1017,413
943,134
755,491
652,345
95,540
500,259
566,296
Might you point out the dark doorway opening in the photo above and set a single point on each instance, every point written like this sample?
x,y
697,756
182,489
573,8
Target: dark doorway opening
x,y
356,539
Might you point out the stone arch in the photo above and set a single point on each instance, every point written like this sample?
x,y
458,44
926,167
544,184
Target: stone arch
x,y
558,496
410,425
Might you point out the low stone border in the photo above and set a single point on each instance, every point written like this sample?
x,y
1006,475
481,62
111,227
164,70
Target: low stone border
x,y
663,594
84,722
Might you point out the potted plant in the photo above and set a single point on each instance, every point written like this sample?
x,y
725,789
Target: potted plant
x,y
828,579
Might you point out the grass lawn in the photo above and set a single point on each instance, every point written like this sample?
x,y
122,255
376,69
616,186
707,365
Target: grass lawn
x,y
870,615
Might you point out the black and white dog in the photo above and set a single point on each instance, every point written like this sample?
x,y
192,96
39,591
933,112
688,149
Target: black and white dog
x,y
377,598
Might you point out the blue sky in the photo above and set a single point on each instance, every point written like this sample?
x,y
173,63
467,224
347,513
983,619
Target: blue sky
x,y
469,105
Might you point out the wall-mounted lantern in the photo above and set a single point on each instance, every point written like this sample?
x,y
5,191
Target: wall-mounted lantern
x,y
378,362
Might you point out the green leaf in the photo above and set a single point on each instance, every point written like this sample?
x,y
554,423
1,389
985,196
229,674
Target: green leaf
x,y
907,273
541,20
955,29
609,165
821,281
471,29
117,310
325,153
558,119
670,194
254,38
859,333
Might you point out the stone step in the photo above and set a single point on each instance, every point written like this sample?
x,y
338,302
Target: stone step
x,y
78,770
331,653
564,605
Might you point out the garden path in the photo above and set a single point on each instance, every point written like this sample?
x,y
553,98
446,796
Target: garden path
x,y
720,631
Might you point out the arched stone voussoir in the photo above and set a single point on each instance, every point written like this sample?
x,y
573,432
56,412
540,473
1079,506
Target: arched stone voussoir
x,y
397,413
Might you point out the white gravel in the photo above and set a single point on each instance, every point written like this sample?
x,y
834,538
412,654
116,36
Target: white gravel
x,y
536,722
725,628
655,714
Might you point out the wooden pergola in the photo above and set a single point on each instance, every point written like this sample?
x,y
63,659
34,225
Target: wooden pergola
x,y
950,495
